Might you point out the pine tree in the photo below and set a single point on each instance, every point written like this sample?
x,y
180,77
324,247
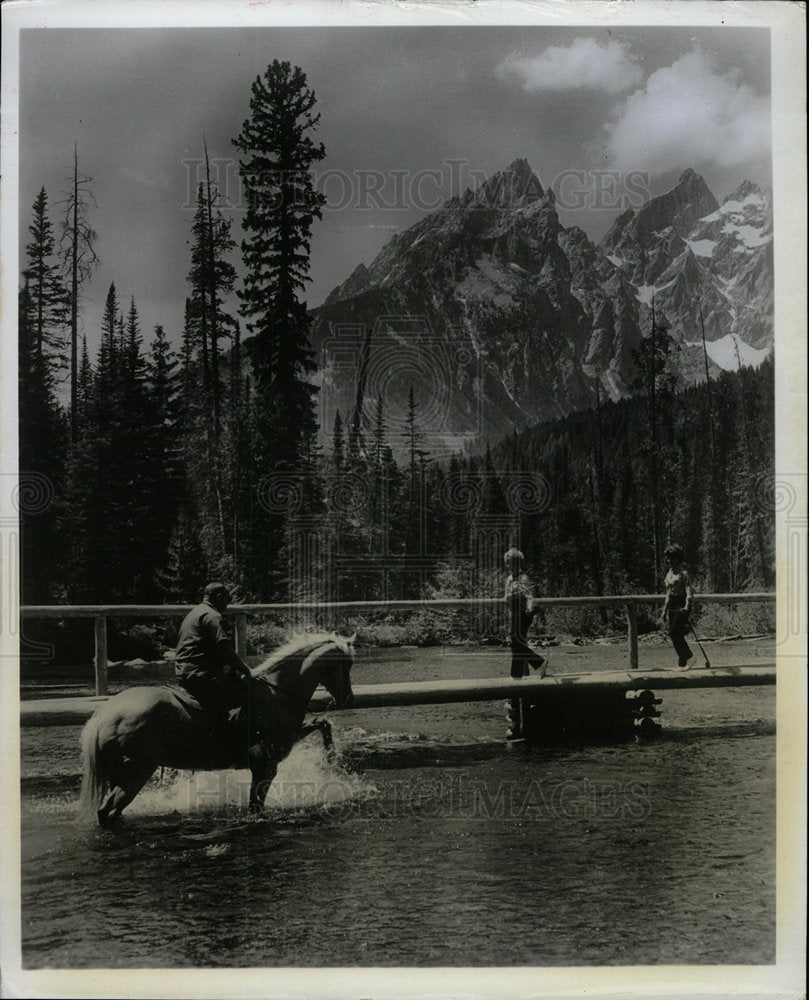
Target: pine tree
x,y
282,204
212,277
164,447
134,363
108,347
84,383
47,310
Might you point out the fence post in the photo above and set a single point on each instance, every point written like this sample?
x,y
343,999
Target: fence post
x,y
632,634
101,655
241,635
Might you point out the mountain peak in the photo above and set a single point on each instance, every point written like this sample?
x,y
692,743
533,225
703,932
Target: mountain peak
x,y
513,187
745,191
693,185
678,209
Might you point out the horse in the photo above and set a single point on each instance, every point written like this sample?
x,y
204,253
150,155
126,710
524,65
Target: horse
x,y
143,728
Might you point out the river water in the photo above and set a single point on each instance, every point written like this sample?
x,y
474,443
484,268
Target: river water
x,y
429,842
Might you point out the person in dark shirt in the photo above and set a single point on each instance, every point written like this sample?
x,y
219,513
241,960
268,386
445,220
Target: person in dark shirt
x,y
206,664
677,605
520,615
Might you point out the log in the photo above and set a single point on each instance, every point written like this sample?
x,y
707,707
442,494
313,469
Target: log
x,y
565,687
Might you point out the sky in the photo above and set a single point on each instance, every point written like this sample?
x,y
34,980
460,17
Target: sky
x,y
410,116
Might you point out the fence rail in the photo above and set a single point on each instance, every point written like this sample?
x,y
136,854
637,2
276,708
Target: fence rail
x,y
100,613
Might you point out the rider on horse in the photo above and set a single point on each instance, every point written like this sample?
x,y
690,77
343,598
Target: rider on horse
x,y
208,667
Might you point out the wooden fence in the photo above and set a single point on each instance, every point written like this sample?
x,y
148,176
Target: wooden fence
x,y
101,613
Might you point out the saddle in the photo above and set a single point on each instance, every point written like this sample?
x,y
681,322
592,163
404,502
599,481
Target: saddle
x,y
211,730
185,698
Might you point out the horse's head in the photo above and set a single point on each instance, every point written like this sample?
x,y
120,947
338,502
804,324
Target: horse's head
x,y
333,661
308,660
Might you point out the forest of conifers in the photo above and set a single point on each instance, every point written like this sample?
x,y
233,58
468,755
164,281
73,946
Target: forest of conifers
x,y
198,456
150,500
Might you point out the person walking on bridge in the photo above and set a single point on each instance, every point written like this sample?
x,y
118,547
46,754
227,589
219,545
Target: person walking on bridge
x,y
677,605
519,602
208,667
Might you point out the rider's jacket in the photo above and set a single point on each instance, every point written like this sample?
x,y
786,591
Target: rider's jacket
x,y
197,653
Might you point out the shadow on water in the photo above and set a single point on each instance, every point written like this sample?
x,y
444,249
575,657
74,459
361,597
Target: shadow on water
x,y
401,752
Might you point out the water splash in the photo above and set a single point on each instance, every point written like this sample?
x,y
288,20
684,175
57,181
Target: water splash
x,y
305,780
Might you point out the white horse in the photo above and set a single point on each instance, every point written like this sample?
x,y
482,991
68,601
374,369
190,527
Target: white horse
x,y
144,728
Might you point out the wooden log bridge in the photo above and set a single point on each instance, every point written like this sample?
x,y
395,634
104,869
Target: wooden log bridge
x,y
586,697
550,688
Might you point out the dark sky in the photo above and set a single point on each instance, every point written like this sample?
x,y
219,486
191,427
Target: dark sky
x,y
409,117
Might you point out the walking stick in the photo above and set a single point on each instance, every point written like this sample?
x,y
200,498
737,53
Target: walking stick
x,y
707,661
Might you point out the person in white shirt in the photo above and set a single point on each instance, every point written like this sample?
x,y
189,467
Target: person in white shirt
x,y
677,605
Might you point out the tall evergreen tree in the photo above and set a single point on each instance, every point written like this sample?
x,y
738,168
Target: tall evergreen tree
x,y
47,296
282,203
134,361
84,383
277,154
212,277
108,347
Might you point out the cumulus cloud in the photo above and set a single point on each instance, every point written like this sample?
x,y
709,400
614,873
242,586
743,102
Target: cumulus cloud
x,y
690,114
584,64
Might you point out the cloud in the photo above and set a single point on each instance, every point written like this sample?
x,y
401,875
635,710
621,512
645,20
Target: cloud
x,y
689,114
584,64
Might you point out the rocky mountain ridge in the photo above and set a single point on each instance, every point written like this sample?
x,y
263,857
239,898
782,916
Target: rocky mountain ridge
x,y
499,317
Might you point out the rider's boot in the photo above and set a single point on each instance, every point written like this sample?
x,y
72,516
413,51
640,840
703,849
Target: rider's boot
x,y
238,722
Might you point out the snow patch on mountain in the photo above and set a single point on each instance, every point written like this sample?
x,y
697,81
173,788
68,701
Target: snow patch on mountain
x,y
728,351
702,248
749,235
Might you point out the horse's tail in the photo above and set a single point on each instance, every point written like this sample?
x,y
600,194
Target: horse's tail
x,y
93,783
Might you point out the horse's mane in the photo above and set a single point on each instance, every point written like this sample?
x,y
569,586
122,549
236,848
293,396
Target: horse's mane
x,y
297,643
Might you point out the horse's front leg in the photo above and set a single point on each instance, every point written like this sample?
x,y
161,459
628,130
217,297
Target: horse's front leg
x,y
262,771
323,727
328,740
